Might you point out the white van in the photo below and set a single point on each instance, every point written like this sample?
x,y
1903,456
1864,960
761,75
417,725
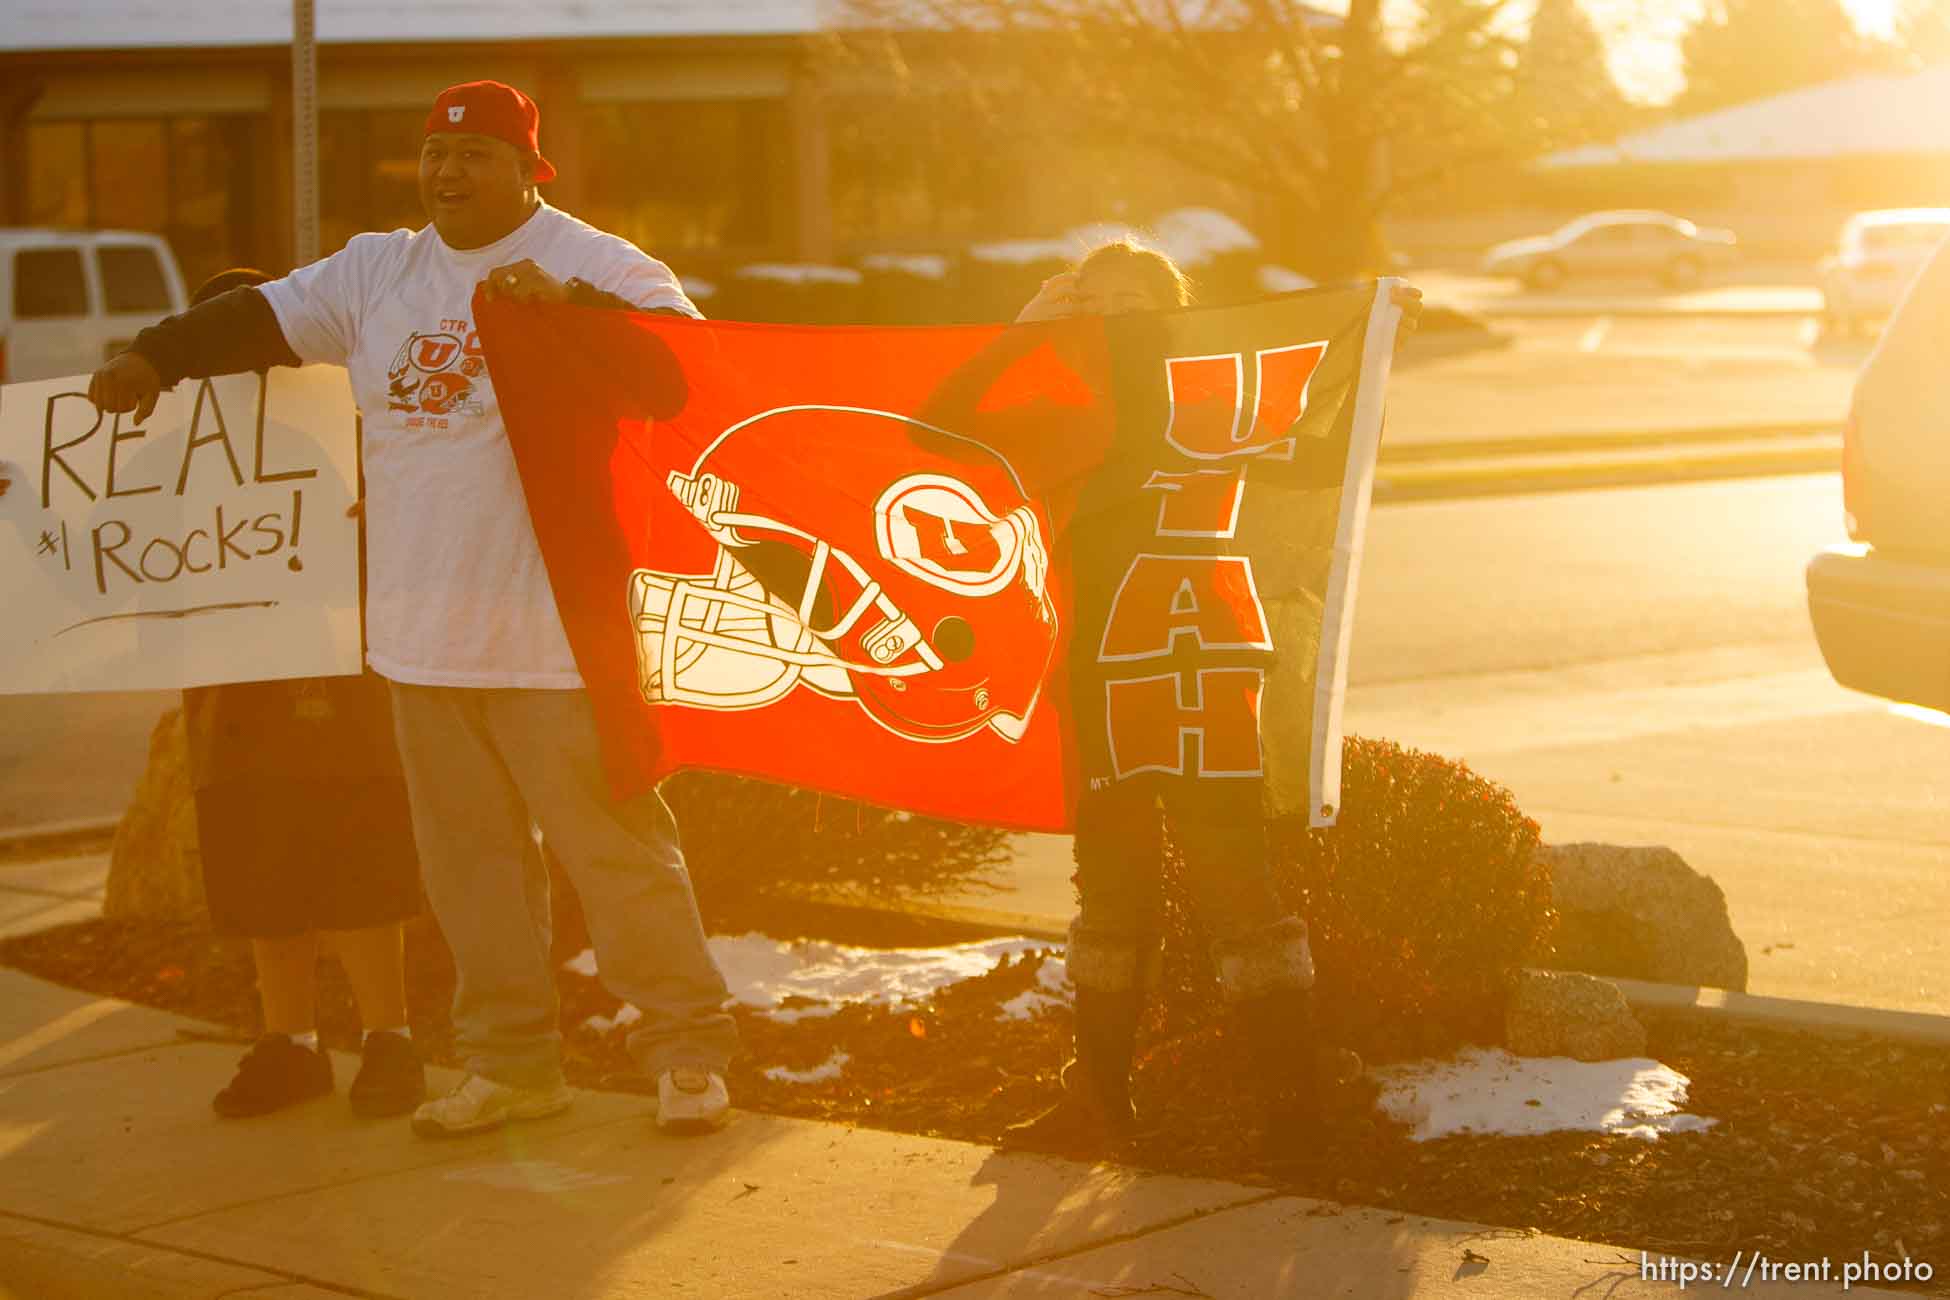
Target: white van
x,y
71,299
1879,255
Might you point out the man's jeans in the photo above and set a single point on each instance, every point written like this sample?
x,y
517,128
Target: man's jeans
x,y
479,764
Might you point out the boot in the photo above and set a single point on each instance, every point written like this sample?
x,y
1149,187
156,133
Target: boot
x,y
1279,1034
1095,1111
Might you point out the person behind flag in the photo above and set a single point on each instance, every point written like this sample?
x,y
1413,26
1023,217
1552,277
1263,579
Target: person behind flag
x,y
493,724
1259,946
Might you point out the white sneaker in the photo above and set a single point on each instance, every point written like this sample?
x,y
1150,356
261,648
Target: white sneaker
x,y
691,1100
479,1105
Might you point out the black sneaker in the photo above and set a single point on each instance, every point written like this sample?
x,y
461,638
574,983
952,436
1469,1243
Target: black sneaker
x,y
391,1079
275,1073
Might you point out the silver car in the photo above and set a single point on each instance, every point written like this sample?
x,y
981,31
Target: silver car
x,y
1881,605
1613,245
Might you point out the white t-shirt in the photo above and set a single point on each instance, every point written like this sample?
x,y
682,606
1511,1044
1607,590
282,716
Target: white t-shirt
x,y
456,593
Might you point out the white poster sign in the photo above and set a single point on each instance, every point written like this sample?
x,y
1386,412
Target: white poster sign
x,y
208,544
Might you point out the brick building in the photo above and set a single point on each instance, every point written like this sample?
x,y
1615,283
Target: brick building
x,y
692,126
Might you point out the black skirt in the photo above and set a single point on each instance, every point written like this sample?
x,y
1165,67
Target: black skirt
x,y
301,807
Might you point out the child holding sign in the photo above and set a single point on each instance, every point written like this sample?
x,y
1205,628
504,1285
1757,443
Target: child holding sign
x,y
306,841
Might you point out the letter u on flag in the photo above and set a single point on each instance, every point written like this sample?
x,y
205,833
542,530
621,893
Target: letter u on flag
x,y
961,571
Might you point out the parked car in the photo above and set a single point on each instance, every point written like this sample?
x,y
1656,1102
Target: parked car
x,y
1878,254
71,299
1881,604
1614,244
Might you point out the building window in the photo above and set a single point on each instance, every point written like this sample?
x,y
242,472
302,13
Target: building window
x,y
188,179
128,166
915,172
368,173
57,174
673,177
214,218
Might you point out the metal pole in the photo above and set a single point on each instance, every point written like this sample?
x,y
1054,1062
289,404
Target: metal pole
x,y
304,134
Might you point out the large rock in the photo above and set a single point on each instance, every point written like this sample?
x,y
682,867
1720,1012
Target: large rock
x,y
1562,1013
155,870
1641,913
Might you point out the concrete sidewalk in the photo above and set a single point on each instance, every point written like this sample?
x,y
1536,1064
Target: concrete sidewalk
x,y
121,1184
51,889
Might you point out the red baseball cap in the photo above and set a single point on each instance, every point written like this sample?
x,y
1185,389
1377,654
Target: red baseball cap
x,y
493,109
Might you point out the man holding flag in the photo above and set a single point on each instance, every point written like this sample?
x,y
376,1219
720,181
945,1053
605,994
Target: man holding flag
x,y
494,726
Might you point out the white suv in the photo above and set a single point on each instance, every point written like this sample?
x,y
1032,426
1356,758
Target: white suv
x,y
1881,607
71,299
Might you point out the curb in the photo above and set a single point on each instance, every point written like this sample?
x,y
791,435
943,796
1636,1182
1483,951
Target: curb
x,y
1635,311
1831,1018
1514,475
59,839
1415,453
1826,1018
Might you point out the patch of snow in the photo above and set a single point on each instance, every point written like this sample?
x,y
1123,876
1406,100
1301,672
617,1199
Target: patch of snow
x,y
696,288
828,1069
1194,236
1053,976
626,1015
1053,989
810,1011
799,273
1028,1004
763,972
1081,239
929,266
1281,279
1484,1091
1017,252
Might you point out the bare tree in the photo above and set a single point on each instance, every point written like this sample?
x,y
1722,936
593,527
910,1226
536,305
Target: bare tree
x,y
1923,31
1564,84
1742,50
1323,119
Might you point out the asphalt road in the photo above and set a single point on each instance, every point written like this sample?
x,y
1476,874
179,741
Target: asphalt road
x,y
1551,377
1636,666
72,757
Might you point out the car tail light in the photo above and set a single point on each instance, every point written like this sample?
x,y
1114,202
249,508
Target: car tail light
x,y
1855,480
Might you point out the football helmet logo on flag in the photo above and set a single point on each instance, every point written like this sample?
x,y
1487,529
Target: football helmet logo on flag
x,y
863,556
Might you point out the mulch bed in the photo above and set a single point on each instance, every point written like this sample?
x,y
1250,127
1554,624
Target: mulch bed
x,y
1825,1146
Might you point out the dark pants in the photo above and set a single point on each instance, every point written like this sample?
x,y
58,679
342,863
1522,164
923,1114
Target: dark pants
x,y
1257,946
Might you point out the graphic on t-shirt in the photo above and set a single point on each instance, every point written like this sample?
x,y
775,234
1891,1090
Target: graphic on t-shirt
x,y
434,372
